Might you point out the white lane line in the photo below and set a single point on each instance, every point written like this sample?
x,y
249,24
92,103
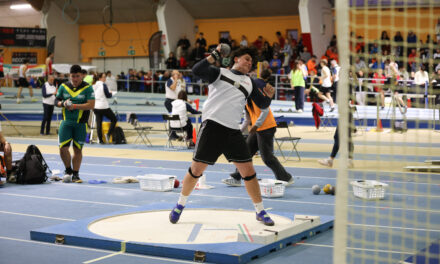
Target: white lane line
x,y
39,216
355,249
213,196
395,227
92,249
66,200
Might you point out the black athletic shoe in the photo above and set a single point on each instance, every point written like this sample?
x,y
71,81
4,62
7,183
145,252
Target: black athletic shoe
x,y
76,179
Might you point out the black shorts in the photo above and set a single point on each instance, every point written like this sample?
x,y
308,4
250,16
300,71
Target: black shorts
x,y
2,74
325,90
215,139
22,82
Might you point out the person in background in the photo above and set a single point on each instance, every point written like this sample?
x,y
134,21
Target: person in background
x,y
49,61
102,107
298,84
379,78
171,62
181,107
202,41
261,138
2,74
48,91
326,86
243,42
6,148
110,81
23,82
335,69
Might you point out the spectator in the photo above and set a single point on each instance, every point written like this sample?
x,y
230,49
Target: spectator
x,y
6,148
305,54
411,40
379,78
48,91
243,42
275,64
421,78
148,81
181,107
385,42
49,61
258,43
267,51
311,64
260,57
184,42
360,45
234,45
288,52
412,64
333,42
303,68
171,62
436,87
2,75
398,39
197,54
437,31
374,48
297,83
183,64
110,81
360,65
202,41
102,107
281,40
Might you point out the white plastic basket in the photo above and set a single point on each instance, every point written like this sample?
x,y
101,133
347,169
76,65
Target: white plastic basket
x,y
272,188
368,189
156,182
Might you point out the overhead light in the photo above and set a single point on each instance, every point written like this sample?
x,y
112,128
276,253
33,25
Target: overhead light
x,y
21,6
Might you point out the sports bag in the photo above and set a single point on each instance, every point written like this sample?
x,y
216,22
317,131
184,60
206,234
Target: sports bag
x,y
31,169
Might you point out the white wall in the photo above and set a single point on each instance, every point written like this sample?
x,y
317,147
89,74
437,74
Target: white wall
x,y
116,65
19,18
318,13
67,36
174,21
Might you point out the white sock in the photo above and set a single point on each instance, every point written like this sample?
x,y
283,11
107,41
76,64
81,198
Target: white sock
x,y
182,200
259,207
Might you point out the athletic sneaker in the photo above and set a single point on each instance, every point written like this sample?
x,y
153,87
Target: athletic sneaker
x,y
299,111
265,218
34,99
175,213
232,182
18,101
76,179
332,109
290,182
326,162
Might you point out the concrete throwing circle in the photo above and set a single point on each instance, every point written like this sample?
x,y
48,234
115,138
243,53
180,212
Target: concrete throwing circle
x,y
196,226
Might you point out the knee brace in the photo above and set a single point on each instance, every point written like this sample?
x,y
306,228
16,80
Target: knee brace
x,y
248,178
192,175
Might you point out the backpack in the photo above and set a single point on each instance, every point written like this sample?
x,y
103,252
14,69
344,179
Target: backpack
x,y
118,136
31,169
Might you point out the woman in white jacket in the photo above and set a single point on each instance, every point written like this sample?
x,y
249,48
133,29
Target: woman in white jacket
x,y
181,108
49,91
102,107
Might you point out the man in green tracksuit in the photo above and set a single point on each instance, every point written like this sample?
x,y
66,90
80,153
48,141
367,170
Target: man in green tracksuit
x,y
77,98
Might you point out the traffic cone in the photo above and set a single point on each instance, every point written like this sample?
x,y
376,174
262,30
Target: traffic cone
x,y
379,127
194,135
408,103
197,102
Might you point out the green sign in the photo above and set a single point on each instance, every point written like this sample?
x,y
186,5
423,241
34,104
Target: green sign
x,y
101,53
131,52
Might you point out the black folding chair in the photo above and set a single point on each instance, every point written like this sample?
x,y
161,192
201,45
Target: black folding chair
x,y
170,130
293,140
141,130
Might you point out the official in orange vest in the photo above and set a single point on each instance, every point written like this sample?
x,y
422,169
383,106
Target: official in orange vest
x,y
261,138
